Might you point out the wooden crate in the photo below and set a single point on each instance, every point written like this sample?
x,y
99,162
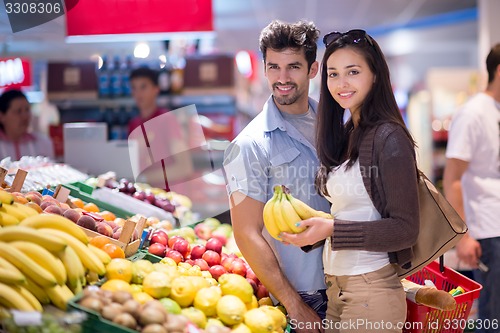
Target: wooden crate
x,y
124,242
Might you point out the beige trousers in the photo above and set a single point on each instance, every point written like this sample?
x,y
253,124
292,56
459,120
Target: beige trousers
x,y
371,302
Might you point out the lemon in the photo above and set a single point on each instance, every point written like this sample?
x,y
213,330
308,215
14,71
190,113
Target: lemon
x,y
141,268
168,261
206,274
230,310
116,285
198,282
237,285
195,271
170,305
157,284
266,301
253,304
185,265
258,321
214,322
169,270
142,297
278,316
212,282
136,288
183,291
206,300
241,328
120,269
196,316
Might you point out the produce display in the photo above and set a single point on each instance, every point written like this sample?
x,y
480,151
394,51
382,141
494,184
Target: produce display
x,y
47,258
282,211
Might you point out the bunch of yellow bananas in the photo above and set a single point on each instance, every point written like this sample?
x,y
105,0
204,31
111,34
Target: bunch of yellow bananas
x,y
283,211
11,212
44,260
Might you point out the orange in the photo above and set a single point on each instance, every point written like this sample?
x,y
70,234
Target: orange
x,y
113,250
91,207
107,215
120,269
77,202
100,241
116,285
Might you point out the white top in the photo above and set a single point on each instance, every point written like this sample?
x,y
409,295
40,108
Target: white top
x,y
474,137
350,201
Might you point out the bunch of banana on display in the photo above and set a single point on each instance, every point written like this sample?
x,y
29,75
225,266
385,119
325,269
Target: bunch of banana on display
x,y
283,211
11,212
44,259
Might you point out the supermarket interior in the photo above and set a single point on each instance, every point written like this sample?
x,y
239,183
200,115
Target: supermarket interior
x,y
123,172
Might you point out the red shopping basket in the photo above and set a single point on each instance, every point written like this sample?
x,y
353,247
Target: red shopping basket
x,y
423,319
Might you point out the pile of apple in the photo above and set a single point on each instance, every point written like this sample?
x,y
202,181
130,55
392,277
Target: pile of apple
x,y
129,188
209,257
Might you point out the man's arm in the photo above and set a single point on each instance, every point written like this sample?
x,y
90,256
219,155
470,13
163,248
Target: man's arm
x,y
468,249
246,217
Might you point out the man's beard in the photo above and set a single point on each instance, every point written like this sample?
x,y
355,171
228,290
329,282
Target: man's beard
x,y
286,99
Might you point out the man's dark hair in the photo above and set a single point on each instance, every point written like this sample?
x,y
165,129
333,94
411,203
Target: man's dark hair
x,y
145,72
492,62
280,35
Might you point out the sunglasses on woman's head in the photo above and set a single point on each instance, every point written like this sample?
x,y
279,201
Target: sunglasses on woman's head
x,y
356,36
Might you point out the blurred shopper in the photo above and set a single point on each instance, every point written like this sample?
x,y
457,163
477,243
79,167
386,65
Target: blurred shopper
x,y
16,140
145,91
277,148
472,185
364,163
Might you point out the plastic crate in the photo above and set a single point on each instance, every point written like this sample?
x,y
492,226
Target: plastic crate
x,y
423,319
84,191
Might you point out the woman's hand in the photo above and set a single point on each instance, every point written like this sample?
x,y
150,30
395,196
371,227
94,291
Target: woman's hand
x,y
317,229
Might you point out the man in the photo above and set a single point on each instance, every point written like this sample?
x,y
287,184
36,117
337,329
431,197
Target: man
x,y
472,185
277,148
145,90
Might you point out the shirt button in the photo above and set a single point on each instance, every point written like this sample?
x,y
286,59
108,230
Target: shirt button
x,y
233,178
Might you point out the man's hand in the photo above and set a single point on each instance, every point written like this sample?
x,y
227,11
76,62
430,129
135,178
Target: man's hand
x,y
469,251
318,228
303,318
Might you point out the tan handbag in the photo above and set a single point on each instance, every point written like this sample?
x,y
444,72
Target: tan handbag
x,y
440,227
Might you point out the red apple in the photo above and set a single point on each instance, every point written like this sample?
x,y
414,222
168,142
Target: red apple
x,y
189,261
223,256
175,255
172,240
215,245
202,264
238,267
203,231
221,237
254,285
182,246
211,257
232,255
262,291
157,249
251,275
216,271
159,237
197,252
227,263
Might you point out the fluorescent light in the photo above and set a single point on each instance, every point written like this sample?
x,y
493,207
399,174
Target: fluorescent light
x,y
140,37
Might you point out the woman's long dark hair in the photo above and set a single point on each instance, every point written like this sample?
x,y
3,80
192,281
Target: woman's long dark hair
x,y
6,99
336,142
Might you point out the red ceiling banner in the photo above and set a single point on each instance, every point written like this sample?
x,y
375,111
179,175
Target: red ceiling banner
x,y
15,73
111,17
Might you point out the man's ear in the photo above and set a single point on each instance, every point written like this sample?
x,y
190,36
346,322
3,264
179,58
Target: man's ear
x,y
313,70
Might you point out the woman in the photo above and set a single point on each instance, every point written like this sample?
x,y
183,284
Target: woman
x,y
369,175
15,119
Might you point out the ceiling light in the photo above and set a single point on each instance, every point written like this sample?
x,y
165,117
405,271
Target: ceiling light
x,y
141,50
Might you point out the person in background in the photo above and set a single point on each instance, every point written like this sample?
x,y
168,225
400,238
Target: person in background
x,y
277,148
364,162
145,91
472,185
16,140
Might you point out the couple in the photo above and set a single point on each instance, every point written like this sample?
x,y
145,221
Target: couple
x,y
307,146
